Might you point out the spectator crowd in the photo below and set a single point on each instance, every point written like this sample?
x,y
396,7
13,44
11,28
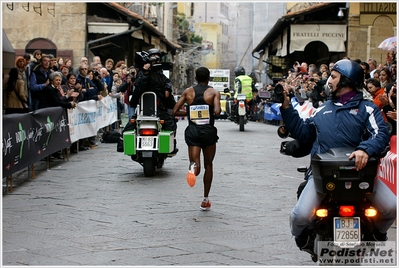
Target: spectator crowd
x,y
308,82
42,80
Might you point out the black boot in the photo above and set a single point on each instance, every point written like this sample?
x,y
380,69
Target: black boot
x,y
175,150
305,242
375,236
378,236
119,145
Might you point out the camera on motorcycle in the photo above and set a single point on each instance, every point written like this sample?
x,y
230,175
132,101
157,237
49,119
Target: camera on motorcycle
x,y
295,149
278,94
141,58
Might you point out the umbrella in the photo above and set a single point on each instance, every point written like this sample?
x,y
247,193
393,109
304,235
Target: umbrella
x,y
389,44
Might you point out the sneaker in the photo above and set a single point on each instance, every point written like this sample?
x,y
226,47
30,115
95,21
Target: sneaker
x,y
205,205
191,178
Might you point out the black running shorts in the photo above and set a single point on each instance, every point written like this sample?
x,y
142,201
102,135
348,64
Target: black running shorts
x,y
200,135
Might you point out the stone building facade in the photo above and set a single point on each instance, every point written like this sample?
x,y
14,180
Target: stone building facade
x,y
368,25
76,29
323,32
58,27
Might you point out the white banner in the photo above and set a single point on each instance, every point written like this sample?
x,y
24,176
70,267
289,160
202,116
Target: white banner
x,y
334,36
89,116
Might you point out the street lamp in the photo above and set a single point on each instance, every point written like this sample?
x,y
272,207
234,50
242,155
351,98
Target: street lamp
x,y
340,13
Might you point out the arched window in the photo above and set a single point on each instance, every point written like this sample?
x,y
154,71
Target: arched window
x,y
45,45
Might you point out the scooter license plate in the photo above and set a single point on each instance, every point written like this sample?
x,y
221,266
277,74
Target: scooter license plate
x,y
347,231
146,143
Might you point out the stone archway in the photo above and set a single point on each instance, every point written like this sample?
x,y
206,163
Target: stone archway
x,y
382,27
316,52
45,45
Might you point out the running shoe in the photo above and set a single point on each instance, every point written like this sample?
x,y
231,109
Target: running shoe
x,y
205,205
191,178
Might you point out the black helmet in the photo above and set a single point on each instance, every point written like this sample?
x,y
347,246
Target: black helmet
x,y
239,71
153,51
352,71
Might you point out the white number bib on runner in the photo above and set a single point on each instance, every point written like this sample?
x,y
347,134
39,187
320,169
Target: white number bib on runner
x,y
199,114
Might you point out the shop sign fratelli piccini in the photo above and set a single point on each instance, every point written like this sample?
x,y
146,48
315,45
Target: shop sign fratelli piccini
x,y
334,36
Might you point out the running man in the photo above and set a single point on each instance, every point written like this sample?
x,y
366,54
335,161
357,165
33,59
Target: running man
x,y
203,103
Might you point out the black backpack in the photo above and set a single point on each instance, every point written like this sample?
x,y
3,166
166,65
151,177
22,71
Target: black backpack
x,y
111,136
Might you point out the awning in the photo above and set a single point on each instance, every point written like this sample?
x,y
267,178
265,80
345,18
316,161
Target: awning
x,y
7,47
334,36
281,44
8,53
147,25
107,27
138,35
289,19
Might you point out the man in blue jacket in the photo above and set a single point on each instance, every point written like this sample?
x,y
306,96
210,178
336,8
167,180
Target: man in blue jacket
x,y
346,120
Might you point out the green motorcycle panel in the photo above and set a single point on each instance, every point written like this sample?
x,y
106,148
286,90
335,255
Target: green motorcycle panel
x,y
166,142
129,142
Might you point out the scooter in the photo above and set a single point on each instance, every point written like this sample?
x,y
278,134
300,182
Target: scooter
x,y
147,143
237,110
345,218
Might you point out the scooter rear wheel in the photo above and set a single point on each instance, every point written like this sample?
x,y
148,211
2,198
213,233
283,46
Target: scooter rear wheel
x,y
149,167
241,122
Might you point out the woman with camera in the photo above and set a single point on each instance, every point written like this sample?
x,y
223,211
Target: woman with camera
x,y
127,89
94,76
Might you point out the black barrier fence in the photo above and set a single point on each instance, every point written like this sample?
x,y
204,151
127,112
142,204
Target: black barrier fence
x,y
30,137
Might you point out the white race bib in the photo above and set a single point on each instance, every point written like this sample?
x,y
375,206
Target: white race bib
x,y
199,114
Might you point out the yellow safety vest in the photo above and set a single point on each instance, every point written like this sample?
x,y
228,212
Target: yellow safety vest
x,y
246,86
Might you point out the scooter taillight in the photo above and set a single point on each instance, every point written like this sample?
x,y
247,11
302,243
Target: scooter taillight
x,y
346,211
148,132
241,104
322,212
370,212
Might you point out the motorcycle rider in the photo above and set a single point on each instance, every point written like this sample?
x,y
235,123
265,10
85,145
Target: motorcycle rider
x,y
243,84
346,120
150,77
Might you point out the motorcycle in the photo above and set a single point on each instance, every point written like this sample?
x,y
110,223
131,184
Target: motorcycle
x,y
147,143
345,218
237,110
